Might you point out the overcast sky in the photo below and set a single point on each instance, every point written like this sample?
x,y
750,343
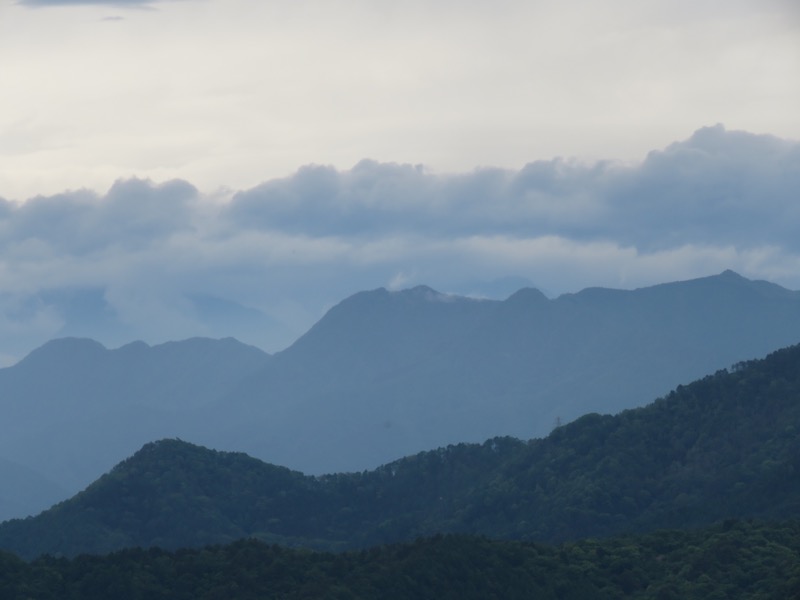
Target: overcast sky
x,y
284,154
234,92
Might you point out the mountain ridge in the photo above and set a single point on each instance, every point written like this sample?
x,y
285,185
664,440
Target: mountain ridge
x,y
386,374
72,407
721,447
502,367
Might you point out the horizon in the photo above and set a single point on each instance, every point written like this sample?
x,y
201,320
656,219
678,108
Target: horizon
x,y
163,261
119,345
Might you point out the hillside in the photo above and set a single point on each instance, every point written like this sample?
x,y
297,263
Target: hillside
x,y
383,375
725,446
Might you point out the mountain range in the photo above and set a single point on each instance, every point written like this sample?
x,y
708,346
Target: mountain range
x,y
722,447
381,376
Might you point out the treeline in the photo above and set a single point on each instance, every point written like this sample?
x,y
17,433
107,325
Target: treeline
x,y
733,560
726,446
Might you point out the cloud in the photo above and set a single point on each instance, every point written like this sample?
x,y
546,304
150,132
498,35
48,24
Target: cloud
x,y
721,187
294,246
121,3
133,212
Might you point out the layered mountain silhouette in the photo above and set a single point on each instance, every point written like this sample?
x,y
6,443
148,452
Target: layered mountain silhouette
x,y
72,408
725,446
384,375
88,312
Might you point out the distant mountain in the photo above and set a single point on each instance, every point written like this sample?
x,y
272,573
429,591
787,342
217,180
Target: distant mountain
x,y
26,492
386,374
72,408
495,289
87,312
725,446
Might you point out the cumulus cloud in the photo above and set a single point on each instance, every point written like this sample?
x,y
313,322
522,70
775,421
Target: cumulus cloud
x,y
292,247
132,212
718,187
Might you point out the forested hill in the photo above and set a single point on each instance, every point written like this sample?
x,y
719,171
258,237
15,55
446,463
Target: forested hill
x,y
721,447
735,560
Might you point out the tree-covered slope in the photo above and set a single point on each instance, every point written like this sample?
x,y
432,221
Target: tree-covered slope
x,y
721,447
735,560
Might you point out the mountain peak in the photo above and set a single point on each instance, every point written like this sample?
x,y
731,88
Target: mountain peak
x,y
421,289
425,293
69,349
528,296
729,274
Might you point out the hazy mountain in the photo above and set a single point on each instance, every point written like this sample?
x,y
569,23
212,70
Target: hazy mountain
x,y
386,374
97,313
496,289
725,446
25,492
73,408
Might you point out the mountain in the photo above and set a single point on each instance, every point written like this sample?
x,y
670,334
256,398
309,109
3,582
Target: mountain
x,y
25,491
72,408
725,446
104,314
386,374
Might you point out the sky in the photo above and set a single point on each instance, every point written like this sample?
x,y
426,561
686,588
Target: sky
x,y
283,155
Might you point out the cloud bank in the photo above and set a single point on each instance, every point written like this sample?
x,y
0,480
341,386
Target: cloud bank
x,y
292,247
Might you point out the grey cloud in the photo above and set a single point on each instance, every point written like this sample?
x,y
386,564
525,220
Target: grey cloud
x,y
59,221
370,198
138,209
719,186
133,212
292,247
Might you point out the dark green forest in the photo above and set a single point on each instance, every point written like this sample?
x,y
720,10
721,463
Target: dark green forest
x,y
736,559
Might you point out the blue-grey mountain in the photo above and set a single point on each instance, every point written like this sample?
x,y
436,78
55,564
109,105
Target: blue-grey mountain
x,y
722,447
386,374
72,408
